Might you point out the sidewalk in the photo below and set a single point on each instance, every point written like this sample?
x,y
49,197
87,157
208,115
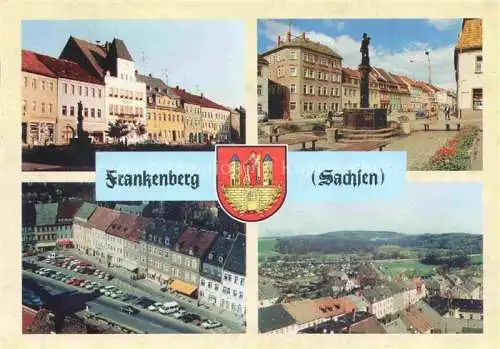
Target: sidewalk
x,y
123,279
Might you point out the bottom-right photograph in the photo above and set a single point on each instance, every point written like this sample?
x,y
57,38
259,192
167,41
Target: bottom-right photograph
x,y
410,264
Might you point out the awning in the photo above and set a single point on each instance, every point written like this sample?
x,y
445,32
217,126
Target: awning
x,y
183,287
129,265
46,244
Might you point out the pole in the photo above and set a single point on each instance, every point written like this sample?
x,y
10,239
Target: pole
x,y
429,65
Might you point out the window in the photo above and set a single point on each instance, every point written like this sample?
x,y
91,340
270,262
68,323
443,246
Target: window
x,y
64,110
479,64
293,88
24,105
319,106
292,105
92,112
292,71
259,108
33,84
311,89
319,90
86,91
86,112
72,111
305,106
43,85
79,90
93,92
477,98
33,106
25,82
259,90
43,107
293,55
98,113
73,89
305,89
100,93
310,106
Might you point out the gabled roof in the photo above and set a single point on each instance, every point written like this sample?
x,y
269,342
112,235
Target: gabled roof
x,y
32,64
68,70
303,42
195,242
118,49
261,60
274,317
303,311
417,320
46,214
369,325
68,209
236,261
155,85
219,251
128,227
351,72
28,215
201,100
376,294
102,218
471,37
94,54
164,232
85,211
396,326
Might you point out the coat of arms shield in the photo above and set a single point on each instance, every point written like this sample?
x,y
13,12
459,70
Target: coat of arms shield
x,y
251,180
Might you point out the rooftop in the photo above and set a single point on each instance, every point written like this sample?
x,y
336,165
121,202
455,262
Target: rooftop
x,y
195,242
46,214
68,70
103,217
303,42
274,317
31,64
471,36
85,211
68,209
236,260
304,311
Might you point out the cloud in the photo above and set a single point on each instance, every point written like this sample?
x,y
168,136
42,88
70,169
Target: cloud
x,y
394,61
340,26
442,24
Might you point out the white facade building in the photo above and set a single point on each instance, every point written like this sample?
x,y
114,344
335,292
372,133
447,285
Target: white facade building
x,y
262,86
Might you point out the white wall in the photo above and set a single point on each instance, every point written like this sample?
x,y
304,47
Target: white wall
x,y
468,78
208,294
228,280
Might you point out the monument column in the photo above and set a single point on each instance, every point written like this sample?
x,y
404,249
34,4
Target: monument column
x,y
364,101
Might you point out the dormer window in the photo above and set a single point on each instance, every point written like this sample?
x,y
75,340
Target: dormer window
x,y
210,256
191,252
221,259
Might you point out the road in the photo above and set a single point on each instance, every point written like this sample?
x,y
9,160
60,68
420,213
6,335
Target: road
x,y
145,321
136,288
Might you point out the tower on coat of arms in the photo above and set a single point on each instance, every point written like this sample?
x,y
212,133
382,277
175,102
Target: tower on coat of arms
x,y
251,180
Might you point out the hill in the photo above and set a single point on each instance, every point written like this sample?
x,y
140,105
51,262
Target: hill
x,y
365,241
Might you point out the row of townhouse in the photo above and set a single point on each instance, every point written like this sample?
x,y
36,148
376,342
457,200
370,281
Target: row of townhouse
x,y
391,298
104,79
294,316
299,77
44,226
196,262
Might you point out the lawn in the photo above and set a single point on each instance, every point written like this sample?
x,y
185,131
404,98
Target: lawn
x,y
266,247
395,268
476,259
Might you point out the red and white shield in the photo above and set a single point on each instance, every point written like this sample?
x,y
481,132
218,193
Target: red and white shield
x,y
251,180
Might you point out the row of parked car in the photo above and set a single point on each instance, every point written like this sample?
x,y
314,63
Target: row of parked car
x,y
172,309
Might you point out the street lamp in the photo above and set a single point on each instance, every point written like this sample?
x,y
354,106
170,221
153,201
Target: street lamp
x,y
427,53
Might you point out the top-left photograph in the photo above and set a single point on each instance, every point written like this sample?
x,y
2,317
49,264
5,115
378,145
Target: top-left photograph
x,y
129,85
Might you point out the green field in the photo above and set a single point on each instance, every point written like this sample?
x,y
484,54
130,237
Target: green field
x,y
266,247
476,259
415,268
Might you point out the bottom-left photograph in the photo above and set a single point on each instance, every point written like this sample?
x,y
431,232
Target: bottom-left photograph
x,y
128,267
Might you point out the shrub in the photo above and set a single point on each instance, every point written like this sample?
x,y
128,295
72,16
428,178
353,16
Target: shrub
x,y
455,155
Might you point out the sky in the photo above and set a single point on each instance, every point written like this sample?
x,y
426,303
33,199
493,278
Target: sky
x,y
202,56
424,207
394,43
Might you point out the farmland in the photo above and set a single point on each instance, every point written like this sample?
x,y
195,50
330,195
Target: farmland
x,y
408,267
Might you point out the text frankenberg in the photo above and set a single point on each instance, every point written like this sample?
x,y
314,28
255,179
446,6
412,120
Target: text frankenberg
x,y
348,178
146,179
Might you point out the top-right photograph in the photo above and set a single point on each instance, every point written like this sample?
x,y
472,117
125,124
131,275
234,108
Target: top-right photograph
x,y
411,85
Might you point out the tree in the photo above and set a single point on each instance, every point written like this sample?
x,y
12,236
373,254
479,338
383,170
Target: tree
x,y
140,129
117,130
73,325
43,323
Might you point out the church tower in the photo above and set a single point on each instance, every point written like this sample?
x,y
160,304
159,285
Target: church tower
x,y
267,169
234,170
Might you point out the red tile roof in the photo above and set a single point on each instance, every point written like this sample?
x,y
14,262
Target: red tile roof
x,y
351,72
28,316
417,320
128,227
196,240
471,36
330,306
68,209
95,54
197,100
68,70
369,325
102,218
32,64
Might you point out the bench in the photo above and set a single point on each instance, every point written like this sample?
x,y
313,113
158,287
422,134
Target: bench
x,y
448,126
365,146
303,140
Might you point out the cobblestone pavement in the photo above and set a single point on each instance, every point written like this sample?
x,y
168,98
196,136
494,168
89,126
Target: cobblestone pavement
x,y
420,145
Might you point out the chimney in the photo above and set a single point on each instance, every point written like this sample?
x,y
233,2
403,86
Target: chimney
x,y
150,75
279,41
177,87
288,36
201,95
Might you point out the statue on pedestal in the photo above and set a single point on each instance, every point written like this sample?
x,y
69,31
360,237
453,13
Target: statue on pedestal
x,y
365,56
79,125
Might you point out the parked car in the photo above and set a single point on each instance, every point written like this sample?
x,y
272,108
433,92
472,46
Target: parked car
x,y
420,114
155,306
144,302
129,310
190,317
210,324
180,313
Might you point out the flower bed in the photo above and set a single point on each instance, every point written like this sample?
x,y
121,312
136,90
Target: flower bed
x,y
456,154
